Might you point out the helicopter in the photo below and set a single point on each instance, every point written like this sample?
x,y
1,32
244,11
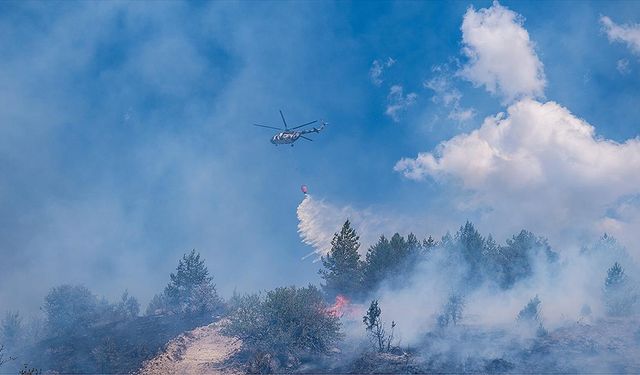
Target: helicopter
x,y
290,135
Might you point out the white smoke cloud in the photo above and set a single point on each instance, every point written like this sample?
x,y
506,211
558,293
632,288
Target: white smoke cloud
x,y
416,305
628,34
501,55
538,167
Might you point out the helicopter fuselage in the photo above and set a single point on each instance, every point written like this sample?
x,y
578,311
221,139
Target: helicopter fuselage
x,y
286,137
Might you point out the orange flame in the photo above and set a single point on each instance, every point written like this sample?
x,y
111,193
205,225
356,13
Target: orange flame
x,y
340,306
343,308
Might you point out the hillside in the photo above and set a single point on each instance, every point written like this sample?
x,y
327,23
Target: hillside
x,y
609,345
201,350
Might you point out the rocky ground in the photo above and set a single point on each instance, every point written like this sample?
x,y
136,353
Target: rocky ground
x,y
606,346
204,350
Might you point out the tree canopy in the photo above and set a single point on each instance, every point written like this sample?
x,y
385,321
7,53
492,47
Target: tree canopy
x,y
191,289
342,265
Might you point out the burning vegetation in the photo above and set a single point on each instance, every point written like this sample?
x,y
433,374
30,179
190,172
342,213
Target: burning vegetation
x,y
461,304
345,309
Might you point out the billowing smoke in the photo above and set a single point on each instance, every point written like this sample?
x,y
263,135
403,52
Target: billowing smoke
x,y
570,291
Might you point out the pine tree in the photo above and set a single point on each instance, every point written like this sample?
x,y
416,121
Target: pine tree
x,y
615,277
70,309
128,307
375,326
342,268
618,295
11,328
377,262
191,289
412,243
399,246
517,260
4,359
471,244
493,261
384,259
531,311
447,242
428,244
530,315
452,311
608,248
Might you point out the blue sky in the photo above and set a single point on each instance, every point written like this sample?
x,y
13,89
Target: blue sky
x,y
125,137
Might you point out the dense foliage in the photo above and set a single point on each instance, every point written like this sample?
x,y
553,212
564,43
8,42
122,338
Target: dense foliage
x,y
81,333
342,270
392,261
284,325
387,259
70,309
191,290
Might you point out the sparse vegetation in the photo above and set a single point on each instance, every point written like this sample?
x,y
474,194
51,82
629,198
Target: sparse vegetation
x,y
531,311
375,327
531,316
451,314
289,329
11,328
620,297
82,333
3,358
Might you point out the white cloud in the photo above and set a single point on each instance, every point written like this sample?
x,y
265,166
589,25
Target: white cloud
x,y
377,70
375,73
501,55
462,115
398,102
448,95
538,167
623,66
629,34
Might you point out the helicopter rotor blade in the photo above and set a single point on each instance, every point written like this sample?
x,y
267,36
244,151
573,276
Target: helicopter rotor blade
x,y
308,139
285,123
266,126
308,123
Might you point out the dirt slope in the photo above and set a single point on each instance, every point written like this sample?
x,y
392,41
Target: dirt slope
x,y
203,350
